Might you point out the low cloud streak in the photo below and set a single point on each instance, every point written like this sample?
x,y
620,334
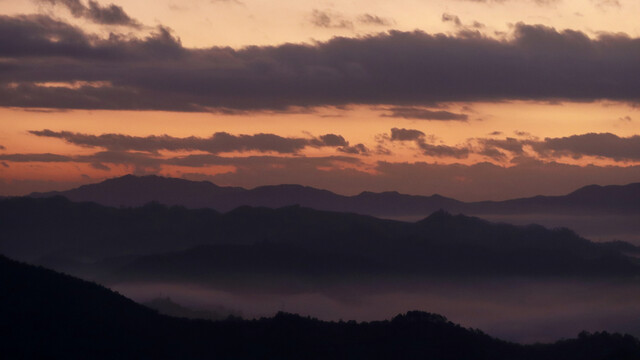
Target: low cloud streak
x,y
217,143
106,15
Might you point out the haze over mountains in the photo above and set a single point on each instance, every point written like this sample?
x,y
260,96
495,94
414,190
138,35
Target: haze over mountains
x,y
157,242
335,264
601,213
132,190
49,315
474,159
341,264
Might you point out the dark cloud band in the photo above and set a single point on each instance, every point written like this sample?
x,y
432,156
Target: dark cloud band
x,y
601,145
219,142
425,114
401,68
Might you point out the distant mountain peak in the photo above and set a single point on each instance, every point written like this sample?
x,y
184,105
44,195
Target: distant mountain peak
x,y
602,188
132,190
442,215
130,178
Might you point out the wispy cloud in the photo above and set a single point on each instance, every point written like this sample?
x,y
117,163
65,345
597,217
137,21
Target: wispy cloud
x,y
219,142
106,15
425,114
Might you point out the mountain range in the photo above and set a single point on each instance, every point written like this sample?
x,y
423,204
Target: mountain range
x,y
132,190
161,243
54,316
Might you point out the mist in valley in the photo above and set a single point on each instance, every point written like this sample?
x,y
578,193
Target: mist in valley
x,y
521,283
514,309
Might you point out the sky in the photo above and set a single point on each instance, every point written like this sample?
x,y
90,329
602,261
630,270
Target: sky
x,y
472,99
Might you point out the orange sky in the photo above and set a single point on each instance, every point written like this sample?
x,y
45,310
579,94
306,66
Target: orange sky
x,y
200,23
204,23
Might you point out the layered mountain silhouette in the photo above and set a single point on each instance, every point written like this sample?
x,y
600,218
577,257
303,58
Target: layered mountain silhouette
x,y
49,315
157,242
166,306
131,190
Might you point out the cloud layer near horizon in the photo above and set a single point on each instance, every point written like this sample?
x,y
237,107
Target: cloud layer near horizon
x,y
528,166
438,96
217,143
84,71
599,145
481,181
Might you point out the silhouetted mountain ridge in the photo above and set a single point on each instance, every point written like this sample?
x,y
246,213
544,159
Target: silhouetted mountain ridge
x,y
290,239
166,306
49,315
610,199
136,191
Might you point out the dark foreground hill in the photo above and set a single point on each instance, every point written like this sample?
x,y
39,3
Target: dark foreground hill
x,y
47,315
156,242
136,191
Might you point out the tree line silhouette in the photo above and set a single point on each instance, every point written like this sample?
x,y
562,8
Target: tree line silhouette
x,y
48,315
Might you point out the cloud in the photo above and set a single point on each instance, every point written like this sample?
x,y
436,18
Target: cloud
x,y
605,145
405,134
425,114
258,162
40,36
607,3
496,148
217,143
331,20
330,140
106,15
463,30
349,175
482,181
76,7
381,150
326,19
370,19
153,163
419,138
478,25
509,144
403,69
44,157
602,145
493,153
142,163
100,166
109,15
360,149
451,18
443,150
